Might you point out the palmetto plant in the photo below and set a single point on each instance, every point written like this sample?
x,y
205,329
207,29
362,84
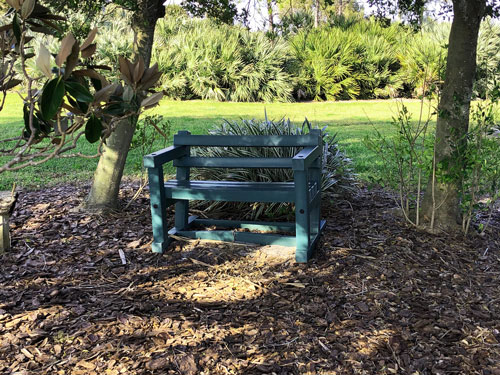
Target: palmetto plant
x,y
337,175
488,59
203,59
423,57
326,58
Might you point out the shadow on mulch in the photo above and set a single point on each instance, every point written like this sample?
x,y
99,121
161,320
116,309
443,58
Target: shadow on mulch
x,y
378,298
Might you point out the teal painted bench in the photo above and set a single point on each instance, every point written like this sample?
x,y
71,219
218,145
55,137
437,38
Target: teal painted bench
x,y
304,191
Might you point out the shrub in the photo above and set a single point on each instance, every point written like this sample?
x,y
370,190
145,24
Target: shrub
x,y
423,59
203,59
488,59
337,174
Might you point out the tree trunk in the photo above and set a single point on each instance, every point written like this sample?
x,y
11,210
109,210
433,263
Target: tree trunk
x,y
107,177
316,13
453,115
270,16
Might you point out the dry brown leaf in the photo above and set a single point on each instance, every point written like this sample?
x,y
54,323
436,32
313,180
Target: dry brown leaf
x,y
65,50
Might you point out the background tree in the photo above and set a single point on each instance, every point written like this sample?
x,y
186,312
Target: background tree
x,y
442,197
145,14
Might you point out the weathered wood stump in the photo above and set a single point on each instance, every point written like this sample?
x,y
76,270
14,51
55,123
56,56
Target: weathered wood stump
x,y
7,201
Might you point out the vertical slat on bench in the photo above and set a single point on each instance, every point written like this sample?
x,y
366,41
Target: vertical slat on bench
x,y
158,209
182,206
315,177
302,216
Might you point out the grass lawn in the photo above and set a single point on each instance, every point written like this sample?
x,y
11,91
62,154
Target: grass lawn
x,y
352,121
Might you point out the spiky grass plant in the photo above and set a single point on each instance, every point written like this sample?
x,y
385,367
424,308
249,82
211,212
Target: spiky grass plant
x,y
337,174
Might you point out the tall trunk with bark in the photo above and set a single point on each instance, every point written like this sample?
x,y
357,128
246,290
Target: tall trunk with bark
x,y
442,200
109,172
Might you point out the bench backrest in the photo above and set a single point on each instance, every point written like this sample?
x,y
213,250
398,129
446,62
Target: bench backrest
x,y
184,138
303,140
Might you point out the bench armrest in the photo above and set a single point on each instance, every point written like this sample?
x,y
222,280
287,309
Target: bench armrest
x,y
161,157
305,158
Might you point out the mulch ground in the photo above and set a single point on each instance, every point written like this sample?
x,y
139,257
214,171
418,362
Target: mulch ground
x,y
378,298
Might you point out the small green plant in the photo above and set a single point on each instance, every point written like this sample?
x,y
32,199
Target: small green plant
x,y
407,158
481,182
337,173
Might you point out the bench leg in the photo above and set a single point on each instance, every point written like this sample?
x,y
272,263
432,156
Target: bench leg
x,y
158,210
316,202
182,206
302,218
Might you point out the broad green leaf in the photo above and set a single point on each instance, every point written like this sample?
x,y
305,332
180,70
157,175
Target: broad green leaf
x,y
52,98
17,28
93,129
79,92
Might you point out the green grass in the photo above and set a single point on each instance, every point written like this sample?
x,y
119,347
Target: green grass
x,y
351,120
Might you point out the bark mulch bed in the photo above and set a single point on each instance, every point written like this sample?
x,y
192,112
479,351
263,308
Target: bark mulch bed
x,y
378,298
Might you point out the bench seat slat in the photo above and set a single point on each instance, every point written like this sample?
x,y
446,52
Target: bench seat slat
x,y
230,191
200,162
246,140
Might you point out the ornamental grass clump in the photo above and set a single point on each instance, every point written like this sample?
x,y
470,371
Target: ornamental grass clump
x,y
338,177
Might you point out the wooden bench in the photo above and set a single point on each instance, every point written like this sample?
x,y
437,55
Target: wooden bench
x,y
304,191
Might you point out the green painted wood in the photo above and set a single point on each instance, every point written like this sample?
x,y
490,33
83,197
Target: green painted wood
x,y
200,162
182,206
304,191
230,192
303,257
306,157
265,239
216,235
251,225
159,205
232,236
174,230
246,140
302,215
161,157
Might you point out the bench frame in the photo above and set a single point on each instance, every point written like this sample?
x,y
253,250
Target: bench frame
x,y
306,165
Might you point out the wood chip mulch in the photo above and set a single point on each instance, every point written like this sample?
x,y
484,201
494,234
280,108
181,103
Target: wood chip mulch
x,y
378,298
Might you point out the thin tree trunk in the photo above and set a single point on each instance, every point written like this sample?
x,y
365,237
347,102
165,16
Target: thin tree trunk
x,y
109,172
316,13
453,114
270,16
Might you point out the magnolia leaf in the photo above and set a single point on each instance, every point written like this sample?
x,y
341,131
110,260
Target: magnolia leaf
x,y
16,4
91,74
72,60
43,61
79,92
138,70
10,84
52,98
89,51
27,8
5,27
90,38
103,94
149,79
152,100
93,129
128,94
65,50
16,28
125,71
